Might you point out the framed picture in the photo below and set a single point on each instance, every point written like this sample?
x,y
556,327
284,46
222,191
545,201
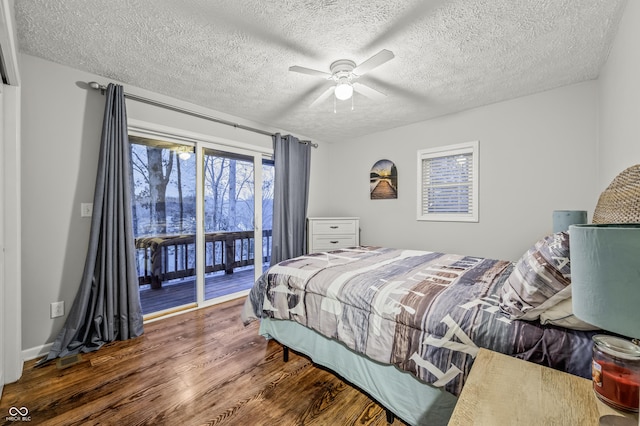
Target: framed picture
x,y
383,180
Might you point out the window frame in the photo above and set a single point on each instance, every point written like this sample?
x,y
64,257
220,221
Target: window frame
x,y
473,148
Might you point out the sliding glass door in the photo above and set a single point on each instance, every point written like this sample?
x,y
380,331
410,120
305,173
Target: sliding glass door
x,y
164,221
195,210
229,218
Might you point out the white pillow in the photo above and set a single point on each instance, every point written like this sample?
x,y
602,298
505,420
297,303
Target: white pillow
x,y
561,314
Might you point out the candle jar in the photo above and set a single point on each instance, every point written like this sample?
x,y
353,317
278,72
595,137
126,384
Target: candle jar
x,y
616,372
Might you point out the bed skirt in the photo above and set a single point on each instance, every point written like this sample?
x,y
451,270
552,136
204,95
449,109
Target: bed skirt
x,y
413,401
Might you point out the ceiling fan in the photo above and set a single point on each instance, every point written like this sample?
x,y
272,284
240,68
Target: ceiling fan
x,y
344,74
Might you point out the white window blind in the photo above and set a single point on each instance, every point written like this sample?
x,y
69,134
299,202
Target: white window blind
x,y
448,183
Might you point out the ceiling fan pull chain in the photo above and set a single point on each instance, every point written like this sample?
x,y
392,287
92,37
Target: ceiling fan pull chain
x,y
334,105
352,102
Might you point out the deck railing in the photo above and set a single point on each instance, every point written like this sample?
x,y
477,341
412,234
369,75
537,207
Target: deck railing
x,y
166,257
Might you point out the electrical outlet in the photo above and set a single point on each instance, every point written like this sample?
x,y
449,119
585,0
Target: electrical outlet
x,y
57,309
86,209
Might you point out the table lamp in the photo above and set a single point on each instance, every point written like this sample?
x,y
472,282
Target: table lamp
x,y
562,219
605,287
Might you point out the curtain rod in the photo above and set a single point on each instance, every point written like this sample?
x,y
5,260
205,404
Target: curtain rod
x,y
102,88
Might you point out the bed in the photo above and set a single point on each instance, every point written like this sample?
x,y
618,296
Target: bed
x,y
405,325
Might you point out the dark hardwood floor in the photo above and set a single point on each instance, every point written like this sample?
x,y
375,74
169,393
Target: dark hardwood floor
x,y
198,368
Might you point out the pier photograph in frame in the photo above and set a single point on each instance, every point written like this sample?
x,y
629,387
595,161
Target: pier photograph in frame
x,y
383,180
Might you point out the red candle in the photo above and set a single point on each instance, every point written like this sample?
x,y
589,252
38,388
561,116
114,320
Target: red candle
x,y
616,371
616,385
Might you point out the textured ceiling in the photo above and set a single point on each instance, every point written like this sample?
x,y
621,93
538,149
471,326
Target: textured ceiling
x,y
234,56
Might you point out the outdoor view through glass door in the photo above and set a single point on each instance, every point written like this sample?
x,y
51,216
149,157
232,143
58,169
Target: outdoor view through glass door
x,y
165,182
229,222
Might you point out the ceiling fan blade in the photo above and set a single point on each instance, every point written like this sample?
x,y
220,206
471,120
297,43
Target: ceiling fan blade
x,y
212,14
420,11
324,96
292,104
309,71
375,61
368,91
410,95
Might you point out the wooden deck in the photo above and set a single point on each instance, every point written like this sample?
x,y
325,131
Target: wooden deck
x,y
183,291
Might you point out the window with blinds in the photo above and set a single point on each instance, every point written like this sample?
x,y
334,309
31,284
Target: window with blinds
x,y
448,183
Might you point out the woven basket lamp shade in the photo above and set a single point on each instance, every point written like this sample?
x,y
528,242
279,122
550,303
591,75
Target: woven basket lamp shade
x,y
620,202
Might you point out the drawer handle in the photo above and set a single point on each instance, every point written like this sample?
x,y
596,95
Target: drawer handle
x,y
334,242
334,227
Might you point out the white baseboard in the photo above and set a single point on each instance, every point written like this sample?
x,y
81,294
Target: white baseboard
x,y
36,352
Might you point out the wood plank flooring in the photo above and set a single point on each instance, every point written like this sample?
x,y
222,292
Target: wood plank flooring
x,y
198,368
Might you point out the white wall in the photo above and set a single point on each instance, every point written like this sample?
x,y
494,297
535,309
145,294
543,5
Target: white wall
x,y
61,125
620,100
537,154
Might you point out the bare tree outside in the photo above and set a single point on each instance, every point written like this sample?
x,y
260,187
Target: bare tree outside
x,y
163,191
159,173
229,193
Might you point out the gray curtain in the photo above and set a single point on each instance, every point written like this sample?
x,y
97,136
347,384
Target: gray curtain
x,y
107,305
291,193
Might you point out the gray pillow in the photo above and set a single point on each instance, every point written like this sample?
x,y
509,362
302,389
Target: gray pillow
x,y
540,279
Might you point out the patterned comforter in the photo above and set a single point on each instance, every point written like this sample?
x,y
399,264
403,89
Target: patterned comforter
x,y
427,313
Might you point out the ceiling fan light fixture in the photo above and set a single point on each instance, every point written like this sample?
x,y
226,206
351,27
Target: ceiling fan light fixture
x,y
344,72
344,91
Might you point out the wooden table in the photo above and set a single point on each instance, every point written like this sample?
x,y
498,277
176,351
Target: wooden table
x,y
502,390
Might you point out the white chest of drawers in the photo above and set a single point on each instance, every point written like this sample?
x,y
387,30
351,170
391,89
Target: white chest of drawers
x,y
332,233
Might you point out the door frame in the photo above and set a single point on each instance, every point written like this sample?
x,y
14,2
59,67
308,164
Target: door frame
x,y
11,280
